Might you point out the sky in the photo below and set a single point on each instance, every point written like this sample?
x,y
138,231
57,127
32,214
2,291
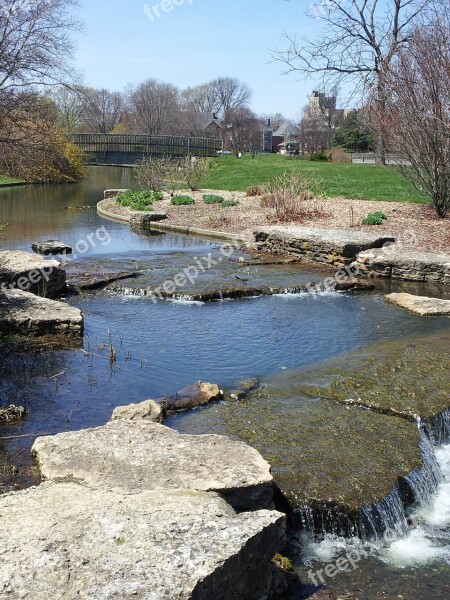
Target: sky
x,y
194,41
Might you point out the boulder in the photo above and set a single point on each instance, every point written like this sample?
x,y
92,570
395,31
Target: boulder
x,y
420,305
66,541
113,192
336,247
149,410
198,394
411,264
27,314
139,220
30,273
129,456
51,247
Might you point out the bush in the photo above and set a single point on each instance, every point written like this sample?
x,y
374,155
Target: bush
x,y
212,199
339,155
254,190
319,157
195,171
182,200
287,196
227,203
151,173
375,218
138,199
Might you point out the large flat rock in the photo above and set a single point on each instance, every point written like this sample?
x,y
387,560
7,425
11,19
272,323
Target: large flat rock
x,y
420,305
330,246
27,314
410,264
62,541
133,456
29,272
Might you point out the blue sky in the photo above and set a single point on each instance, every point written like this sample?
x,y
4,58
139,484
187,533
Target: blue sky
x,y
195,42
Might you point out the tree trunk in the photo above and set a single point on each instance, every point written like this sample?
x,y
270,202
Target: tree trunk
x,y
381,109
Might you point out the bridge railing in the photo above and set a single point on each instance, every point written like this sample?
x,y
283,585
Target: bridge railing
x,y
155,145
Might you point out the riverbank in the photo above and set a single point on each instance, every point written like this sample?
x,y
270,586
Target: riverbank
x,y
412,224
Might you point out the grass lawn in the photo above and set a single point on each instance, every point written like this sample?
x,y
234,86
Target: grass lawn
x,y
5,180
363,182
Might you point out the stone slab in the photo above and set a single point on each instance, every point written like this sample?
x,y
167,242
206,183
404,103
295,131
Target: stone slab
x,y
51,247
31,273
329,246
408,264
133,456
27,314
420,305
148,410
64,541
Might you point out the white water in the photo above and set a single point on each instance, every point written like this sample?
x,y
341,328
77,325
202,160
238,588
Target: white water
x,y
429,541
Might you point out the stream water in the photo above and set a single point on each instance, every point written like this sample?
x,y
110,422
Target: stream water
x,y
162,346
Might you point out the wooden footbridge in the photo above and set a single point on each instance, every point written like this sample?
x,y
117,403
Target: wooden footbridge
x,y
118,149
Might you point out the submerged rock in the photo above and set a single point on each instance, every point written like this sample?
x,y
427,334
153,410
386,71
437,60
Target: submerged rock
x,y
329,246
149,410
51,247
30,273
12,414
27,314
198,394
420,305
407,378
132,456
65,541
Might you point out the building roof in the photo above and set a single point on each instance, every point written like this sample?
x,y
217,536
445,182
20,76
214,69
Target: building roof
x,y
287,130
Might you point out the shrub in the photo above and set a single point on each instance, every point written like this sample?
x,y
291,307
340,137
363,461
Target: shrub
x,y
339,155
195,171
254,190
375,218
212,199
138,199
227,203
182,200
288,196
151,173
319,157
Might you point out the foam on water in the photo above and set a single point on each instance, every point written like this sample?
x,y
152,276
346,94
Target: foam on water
x,y
428,542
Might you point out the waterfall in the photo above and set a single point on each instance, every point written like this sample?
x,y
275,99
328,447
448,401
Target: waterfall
x,y
384,520
440,428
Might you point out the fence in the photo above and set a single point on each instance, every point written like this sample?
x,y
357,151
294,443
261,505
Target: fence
x,y
122,149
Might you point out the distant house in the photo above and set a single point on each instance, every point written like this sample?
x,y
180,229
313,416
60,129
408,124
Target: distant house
x,y
286,137
204,124
266,135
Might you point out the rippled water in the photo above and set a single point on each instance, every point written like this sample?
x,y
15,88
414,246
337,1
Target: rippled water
x,y
166,345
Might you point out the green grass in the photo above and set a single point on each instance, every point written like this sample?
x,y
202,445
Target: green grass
x,y
5,180
363,182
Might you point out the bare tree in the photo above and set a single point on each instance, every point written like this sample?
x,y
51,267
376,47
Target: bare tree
x,y
35,48
154,108
102,110
243,129
219,96
416,119
359,41
70,105
200,99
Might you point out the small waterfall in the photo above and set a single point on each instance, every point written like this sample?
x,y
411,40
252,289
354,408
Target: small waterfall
x,y
420,486
384,520
440,428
